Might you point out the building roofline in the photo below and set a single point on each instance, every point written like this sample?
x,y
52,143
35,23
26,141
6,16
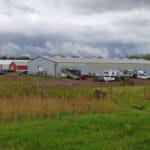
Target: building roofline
x,y
57,59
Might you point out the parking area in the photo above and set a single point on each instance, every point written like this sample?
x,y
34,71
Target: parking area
x,y
63,82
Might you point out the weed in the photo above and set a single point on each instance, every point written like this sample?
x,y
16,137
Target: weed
x,y
21,100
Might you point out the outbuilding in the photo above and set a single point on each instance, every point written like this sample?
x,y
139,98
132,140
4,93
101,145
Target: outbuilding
x,y
19,65
4,64
53,66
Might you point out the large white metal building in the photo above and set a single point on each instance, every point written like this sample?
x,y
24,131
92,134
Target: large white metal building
x,y
53,66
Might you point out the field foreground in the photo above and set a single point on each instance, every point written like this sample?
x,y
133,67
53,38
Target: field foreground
x,y
93,131
35,114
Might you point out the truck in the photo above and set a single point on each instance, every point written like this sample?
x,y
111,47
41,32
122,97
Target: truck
x,y
142,75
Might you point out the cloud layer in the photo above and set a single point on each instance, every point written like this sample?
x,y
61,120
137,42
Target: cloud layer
x,y
107,28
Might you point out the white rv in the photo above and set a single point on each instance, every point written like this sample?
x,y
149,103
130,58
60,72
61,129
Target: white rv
x,y
111,75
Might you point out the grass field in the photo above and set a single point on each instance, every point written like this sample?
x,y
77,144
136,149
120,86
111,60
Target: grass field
x,y
36,115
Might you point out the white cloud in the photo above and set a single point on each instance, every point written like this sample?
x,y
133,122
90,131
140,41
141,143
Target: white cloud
x,y
92,27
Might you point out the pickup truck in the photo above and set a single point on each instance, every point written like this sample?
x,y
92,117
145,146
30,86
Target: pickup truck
x,y
109,78
144,76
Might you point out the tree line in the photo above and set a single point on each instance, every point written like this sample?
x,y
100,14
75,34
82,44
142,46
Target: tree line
x,y
15,58
146,57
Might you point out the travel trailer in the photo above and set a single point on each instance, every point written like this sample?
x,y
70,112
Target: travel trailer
x,y
112,75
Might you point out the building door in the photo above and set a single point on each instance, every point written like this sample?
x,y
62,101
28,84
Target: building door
x,y
40,69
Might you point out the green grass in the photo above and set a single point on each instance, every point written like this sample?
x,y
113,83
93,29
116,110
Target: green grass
x,y
93,131
36,116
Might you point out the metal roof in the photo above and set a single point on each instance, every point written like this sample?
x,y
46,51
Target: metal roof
x,y
8,62
5,62
21,62
58,59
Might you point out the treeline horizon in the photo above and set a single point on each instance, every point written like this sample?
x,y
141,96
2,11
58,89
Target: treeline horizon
x,y
145,57
15,58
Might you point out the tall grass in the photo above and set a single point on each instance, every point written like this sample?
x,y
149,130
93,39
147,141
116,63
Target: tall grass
x,y
36,107
21,100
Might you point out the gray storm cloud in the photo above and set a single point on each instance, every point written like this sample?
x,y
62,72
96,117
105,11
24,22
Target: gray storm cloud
x,y
104,6
107,28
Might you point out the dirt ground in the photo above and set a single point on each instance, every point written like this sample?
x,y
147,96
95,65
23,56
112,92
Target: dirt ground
x,y
70,82
91,83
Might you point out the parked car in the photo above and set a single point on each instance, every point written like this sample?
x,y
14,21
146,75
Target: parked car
x,y
2,71
143,76
99,78
84,76
119,78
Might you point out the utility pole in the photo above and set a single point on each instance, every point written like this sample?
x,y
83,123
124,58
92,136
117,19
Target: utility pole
x,y
55,67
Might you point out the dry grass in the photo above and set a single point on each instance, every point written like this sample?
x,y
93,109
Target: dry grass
x,y
37,107
146,93
21,100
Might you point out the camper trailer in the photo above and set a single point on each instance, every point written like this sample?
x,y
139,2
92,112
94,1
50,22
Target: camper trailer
x,y
112,75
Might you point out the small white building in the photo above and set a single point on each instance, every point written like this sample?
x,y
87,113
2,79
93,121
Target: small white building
x,y
4,64
53,66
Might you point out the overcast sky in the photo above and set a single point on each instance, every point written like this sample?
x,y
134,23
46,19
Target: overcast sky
x,y
107,28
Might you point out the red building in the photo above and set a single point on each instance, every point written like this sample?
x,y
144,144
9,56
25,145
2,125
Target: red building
x,y
19,66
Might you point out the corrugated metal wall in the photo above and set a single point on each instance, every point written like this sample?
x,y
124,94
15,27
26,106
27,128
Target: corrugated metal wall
x,y
53,69
47,67
99,68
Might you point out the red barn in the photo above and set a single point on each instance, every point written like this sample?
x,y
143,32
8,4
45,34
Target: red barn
x,y
19,65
